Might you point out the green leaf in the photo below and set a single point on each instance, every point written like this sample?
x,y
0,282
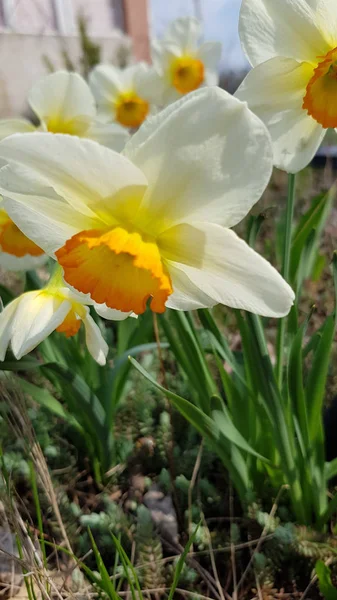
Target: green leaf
x,y
6,295
315,386
128,567
41,396
181,562
314,219
228,429
24,364
87,409
328,591
107,584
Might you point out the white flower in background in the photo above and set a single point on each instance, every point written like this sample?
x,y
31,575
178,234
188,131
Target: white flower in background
x,y
182,63
122,95
292,45
32,317
64,103
17,252
153,223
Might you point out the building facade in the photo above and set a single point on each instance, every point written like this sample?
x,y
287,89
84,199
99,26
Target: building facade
x,y
36,32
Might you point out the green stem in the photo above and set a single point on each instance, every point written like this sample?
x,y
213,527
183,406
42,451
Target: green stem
x,y
282,331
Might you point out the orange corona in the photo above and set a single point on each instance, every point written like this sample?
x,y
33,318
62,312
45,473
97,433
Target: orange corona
x,y
13,241
321,94
131,110
187,73
116,267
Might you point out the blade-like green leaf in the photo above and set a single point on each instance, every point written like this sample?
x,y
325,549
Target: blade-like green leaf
x,y
181,562
328,591
228,429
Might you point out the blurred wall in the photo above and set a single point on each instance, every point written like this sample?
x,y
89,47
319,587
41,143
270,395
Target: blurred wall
x,y
32,29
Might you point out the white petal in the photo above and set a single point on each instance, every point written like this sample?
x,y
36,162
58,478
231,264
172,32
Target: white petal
x,y
106,83
288,28
36,317
275,91
79,170
210,54
111,135
6,322
97,346
185,32
21,263
38,211
326,16
110,313
11,126
63,98
186,295
226,269
206,157
148,84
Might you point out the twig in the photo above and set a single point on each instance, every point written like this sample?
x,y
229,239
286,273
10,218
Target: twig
x,y
213,563
314,578
233,562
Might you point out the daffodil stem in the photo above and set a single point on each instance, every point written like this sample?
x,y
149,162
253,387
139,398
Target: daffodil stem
x,y
283,325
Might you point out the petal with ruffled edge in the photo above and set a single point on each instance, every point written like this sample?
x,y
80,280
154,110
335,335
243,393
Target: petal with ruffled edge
x,y
10,126
87,175
96,345
217,264
206,157
275,90
63,102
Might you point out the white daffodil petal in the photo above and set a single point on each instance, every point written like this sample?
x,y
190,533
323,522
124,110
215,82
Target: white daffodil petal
x,y
21,263
206,157
275,91
97,346
226,269
38,211
10,126
106,85
210,54
110,313
64,103
186,295
111,135
326,17
270,28
36,317
6,322
185,32
148,84
81,171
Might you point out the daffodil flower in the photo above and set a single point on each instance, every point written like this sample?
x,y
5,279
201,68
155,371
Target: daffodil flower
x,y
152,223
292,45
63,103
32,317
181,62
17,252
122,95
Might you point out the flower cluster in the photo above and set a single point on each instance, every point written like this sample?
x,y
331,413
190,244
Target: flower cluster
x,y
132,183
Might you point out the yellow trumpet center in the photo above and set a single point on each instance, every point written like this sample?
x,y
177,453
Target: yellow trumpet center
x,y
131,110
118,268
321,95
70,325
187,73
13,241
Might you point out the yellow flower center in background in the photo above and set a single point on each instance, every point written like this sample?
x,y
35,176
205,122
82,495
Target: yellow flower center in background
x,y
187,73
131,110
70,325
321,98
13,241
118,268
72,127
